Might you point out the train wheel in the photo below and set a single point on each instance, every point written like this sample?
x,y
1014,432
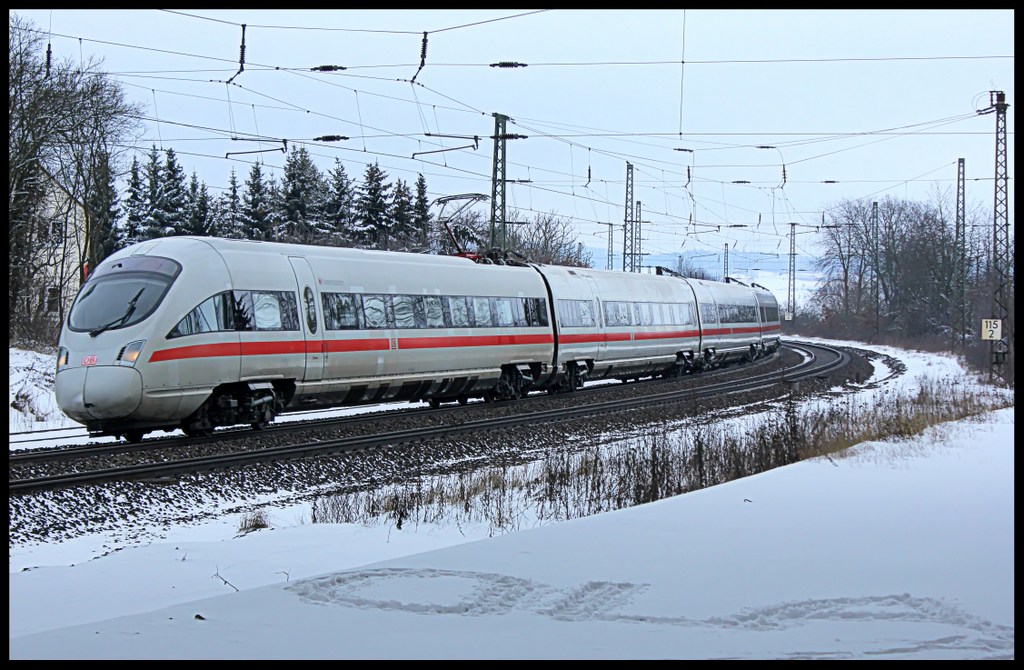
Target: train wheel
x,y
434,403
268,416
134,436
463,400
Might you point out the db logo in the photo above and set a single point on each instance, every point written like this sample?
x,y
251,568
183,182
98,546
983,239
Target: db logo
x,y
89,360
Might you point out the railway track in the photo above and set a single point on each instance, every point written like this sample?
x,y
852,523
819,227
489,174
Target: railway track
x,y
158,460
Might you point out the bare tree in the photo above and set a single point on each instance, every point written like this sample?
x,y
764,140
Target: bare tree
x,y
547,238
67,124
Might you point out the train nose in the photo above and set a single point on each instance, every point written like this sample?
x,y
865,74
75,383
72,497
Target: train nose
x,y
100,392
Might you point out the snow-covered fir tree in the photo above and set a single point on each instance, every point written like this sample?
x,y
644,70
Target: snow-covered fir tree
x,y
200,208
135,206
338,214
175,200
154,221
256,217
372,226
403,235
421,218
302,196
228,212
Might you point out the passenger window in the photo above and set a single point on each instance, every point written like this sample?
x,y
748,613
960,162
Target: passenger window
x,y
482,312
503,310
341,311
539,315
267,311
242,311
405,316
434,312
213,314
263,310
375,312
459,312
194,322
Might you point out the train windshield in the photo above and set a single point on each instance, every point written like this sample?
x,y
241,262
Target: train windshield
x,y
121,294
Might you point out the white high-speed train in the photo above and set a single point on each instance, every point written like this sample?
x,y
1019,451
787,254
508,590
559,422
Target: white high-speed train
x,y
197,332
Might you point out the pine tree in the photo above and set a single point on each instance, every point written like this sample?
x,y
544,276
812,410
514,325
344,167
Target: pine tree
x,y
256,206
102,212
338,208
200,209
228,217
372,224
175,197
302,196
135,206
275,212
154,218
403,235
421,216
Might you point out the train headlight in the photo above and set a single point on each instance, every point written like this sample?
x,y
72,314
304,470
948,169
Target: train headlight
x,y
62,358
130,353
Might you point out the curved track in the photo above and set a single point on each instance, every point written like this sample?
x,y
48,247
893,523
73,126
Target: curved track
x,y
158,460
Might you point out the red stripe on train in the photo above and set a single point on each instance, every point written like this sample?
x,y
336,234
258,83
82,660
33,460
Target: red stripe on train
x,y
472,341
384,344
340,346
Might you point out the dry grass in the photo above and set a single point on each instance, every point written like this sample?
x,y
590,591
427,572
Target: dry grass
x,y
572,484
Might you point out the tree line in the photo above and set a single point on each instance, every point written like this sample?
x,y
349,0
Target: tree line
x,y
894,272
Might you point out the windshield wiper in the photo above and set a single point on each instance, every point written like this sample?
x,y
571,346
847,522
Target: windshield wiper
x,y
121,319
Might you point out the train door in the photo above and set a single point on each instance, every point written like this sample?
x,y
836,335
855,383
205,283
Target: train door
x,y
312,320
599,325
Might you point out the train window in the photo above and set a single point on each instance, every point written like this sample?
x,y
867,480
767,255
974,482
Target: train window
x,y
375,311
211,315
643,312
618,313
504,313
771,313
405,315
737,313
307,294
341,311
684,314
459,312
536,311
433,311
267,311
518,312
275,310
482,312
656,314
408,310
197,321
708,313
242,311
577,313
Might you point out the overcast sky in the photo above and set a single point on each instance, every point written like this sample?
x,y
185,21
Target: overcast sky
x,y
882,102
